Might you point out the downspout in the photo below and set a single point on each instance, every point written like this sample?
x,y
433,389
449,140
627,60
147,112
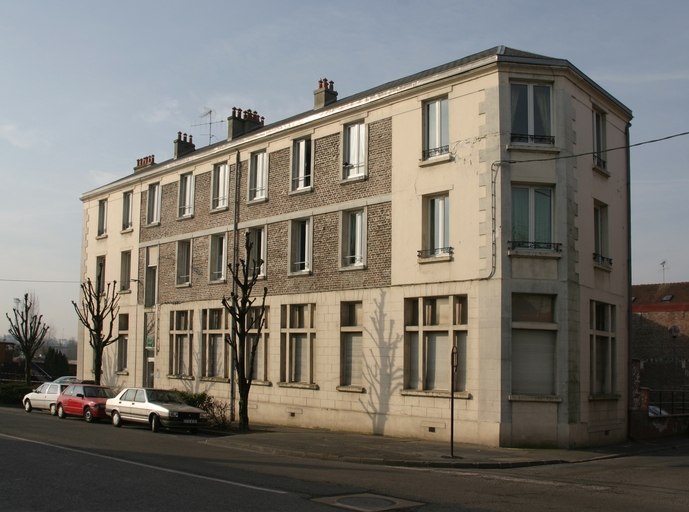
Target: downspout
x,y
629,283
235,256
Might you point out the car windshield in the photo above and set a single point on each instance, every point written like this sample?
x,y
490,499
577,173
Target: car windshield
x,y
158,395
98,392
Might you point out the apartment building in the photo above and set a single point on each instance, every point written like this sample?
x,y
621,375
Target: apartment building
x,y
480,207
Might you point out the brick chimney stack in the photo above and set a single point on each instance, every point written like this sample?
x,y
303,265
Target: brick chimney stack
x,y
183,146
239,124
142,163
325,94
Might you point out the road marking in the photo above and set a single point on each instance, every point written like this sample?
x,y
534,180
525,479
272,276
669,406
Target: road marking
x,y
148,466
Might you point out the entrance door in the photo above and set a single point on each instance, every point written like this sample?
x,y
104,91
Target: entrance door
x,y
149,372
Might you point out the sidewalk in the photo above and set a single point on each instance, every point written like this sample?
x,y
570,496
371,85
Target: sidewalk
x,y
391,451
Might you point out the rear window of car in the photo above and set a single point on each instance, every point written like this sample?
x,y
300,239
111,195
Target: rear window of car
x,y
52,389
97,392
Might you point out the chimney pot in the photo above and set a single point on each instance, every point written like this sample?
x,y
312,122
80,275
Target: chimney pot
x,y
179,135
320,84
190,141
262,120
332,84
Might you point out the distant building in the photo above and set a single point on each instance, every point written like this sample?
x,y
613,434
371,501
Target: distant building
x,y
444,209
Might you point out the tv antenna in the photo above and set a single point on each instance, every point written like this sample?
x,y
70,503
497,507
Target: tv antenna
x,y
209,114
664,266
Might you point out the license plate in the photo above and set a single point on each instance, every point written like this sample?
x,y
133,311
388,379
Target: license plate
x,y
189,421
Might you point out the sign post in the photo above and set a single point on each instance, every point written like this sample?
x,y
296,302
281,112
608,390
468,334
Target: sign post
x,y
455,363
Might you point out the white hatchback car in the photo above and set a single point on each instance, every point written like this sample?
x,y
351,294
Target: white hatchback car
x,y
44,397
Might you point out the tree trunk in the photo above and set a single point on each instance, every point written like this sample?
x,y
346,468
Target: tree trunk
x,y
97,364
27,371
244,407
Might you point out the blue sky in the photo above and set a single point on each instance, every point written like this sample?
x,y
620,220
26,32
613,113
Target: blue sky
x,y
88,87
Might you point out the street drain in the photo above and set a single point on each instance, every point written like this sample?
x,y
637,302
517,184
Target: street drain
x,y
367,502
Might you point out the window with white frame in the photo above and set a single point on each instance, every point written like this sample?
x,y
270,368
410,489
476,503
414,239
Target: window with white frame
x,y
183,271
258,176
151,277
433,327
214,357
437,227
181,339
351,345
603,347
153,207
534,335
354,164
102,217
100,274
220,187
436,140
186,195
258,336
301,164
297,339
300,245
599,142
353,238
600,234
532,218
257,237
531,114
127,210
218,257
122,342
125,270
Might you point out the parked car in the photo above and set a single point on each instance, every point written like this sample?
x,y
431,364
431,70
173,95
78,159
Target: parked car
x,y
654,410
67,378
44,397
85,400
155,407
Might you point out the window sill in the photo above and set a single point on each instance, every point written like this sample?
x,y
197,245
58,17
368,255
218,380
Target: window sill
x,y
127,231
535,398
354,179
297,385
261,383
301,273
124,292
102,236
220,209
300,191
535,148
434,259
122,372
218,281
464,395
214,379
152,224
185,217
602,171
525,253
602,397
183,285
603,267
181,377
351,389
435,160
352,268
257,200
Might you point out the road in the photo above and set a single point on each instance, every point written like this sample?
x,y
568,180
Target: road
x,y
53,464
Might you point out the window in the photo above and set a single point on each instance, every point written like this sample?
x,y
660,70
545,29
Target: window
x,y
297,338
151,277
532,218
301,164
603,348
220,187
531,114
217,258
257,330
102,217
186,195
433,326
258,176
599,142
300,253
353,238
153,209
600,234
351,345
183,262
127,210
122,342
181,339
436,139
125,270
100,274
533,344
437,227
214,356
257,236
354,164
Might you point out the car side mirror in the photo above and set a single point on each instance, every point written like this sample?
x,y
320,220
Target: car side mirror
x,y
79,395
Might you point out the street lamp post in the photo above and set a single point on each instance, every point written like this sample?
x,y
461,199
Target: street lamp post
x,y
455,363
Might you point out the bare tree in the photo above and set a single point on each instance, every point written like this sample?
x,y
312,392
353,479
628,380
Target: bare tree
x,y
246,327
28,329
98,312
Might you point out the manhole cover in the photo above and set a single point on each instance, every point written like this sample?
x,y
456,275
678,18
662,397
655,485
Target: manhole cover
x,y
367,502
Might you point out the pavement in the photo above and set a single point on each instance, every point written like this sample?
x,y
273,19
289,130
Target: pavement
x,y
393,451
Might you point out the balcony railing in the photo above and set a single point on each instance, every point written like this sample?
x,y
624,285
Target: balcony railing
x,y
536,246
525,138
433,253
430,153
602,260
598,162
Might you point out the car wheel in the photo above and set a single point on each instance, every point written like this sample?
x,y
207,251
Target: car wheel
x,y
27,405
116,419
194,430
53,410
155,423
61,412
88,415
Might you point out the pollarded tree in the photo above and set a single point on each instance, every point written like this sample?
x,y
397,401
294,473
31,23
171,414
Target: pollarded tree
x,y
98,312
29,330
247,324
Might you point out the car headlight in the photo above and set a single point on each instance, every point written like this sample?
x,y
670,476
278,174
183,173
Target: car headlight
x,y
174,414
203,416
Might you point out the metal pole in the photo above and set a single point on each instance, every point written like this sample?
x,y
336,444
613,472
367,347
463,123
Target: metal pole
x,y
235,255
455,361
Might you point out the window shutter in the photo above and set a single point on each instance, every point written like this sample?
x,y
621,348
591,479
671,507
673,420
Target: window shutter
x,y
533,362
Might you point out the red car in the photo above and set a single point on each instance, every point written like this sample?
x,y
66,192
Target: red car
x,y
84,400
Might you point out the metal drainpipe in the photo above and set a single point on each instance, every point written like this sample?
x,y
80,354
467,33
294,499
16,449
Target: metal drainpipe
x,y
235,256
629,284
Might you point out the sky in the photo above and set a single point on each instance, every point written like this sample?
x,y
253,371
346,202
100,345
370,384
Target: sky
x,y
87,88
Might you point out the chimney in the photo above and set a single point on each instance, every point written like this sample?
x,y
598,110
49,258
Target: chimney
x,y
183,146
142,163
325,94
239,125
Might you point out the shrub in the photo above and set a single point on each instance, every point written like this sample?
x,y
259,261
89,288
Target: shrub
x,y
11,393
216,409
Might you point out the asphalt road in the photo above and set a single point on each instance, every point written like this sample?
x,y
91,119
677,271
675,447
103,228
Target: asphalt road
x,y
52,464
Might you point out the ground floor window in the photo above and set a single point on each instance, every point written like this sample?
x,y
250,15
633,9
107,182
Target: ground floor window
x,y
297,340
181,343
